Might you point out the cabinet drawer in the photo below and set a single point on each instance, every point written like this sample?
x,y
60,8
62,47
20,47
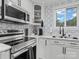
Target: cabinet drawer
x,y
55,42
72,44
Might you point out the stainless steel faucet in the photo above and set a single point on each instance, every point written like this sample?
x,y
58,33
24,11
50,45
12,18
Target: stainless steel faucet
x,y
61,31
63,34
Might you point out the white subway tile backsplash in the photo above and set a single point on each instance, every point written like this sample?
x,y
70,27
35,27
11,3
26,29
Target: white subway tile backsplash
x,y
11,26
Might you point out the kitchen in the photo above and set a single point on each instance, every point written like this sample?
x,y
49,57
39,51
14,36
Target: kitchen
x,y
39,29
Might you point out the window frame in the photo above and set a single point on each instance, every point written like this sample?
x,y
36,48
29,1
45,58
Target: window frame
x,y
66,16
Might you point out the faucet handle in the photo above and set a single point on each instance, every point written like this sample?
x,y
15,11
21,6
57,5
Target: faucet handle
x,y
69,35
60,30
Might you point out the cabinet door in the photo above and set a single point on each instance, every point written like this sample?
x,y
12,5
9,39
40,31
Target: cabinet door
x,y
0,3
40,48
53,51
72,53
5,55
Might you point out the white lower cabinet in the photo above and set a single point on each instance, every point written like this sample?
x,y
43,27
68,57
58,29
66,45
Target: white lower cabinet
x,y
53,52
47,51
40,49
5,55
72,53
53,49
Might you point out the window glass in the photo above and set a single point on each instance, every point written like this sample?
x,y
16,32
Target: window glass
x,y
60,14
66,16
71,17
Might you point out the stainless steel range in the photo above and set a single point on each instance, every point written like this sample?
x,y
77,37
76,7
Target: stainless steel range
x,y
20,45
16,44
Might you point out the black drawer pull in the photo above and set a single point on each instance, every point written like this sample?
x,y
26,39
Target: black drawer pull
x,y
73,43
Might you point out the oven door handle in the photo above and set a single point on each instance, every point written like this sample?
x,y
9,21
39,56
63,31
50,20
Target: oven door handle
x,y
19,52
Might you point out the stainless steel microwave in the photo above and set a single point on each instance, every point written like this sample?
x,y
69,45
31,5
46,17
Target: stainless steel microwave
x,y
12,12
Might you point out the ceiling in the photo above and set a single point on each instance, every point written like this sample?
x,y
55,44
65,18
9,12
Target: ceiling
x,y
53,2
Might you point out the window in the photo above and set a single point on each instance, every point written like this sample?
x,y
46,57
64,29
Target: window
x,y
66,17
71,17
60,17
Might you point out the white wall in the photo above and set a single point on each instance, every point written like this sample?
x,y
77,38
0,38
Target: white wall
x,y
50,21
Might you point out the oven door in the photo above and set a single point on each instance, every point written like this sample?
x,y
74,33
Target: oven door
x,y
20,54
23,54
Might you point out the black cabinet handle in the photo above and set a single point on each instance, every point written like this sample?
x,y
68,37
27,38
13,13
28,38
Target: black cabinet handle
x,y
45,42
64,50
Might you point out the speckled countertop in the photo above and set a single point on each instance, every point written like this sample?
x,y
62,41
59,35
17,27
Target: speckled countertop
x,y
58,38
4,47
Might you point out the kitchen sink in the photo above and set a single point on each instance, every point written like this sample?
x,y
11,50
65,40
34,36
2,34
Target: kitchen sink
x,y
65,37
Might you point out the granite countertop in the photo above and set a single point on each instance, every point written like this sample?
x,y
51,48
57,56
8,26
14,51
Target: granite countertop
x,y
4,47
63,42
59,38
